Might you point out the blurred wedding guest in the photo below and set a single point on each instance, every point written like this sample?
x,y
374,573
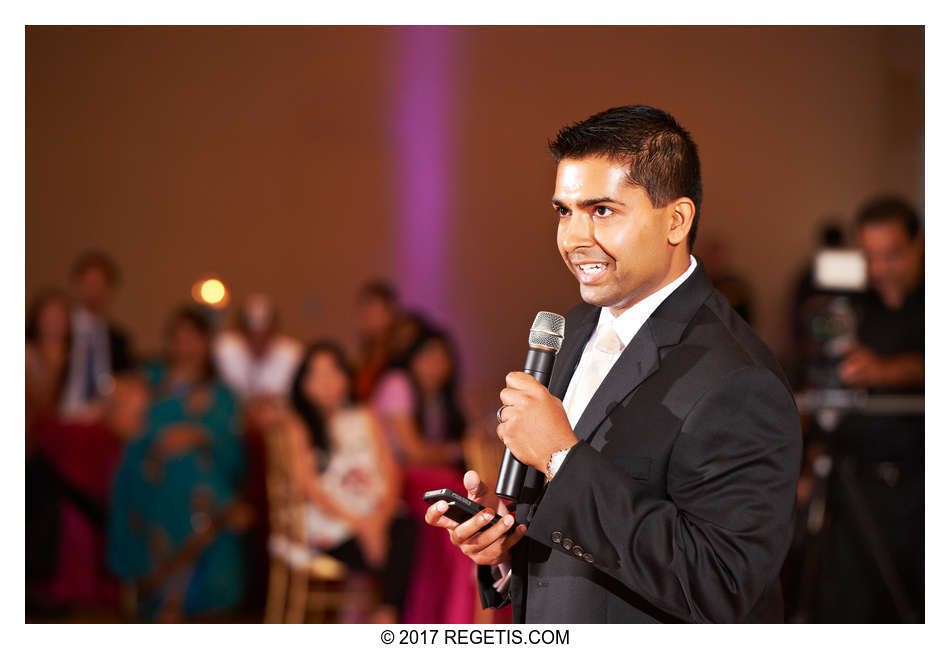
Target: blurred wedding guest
x,y
99,348
346,470
407,330
378,315
257,360
877,493
175,520
418,403
47,351
68,477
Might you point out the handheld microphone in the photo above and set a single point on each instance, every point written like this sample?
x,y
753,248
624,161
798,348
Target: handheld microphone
x,y
544,342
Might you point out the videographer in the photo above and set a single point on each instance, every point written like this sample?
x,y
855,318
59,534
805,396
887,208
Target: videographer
x,y
883,454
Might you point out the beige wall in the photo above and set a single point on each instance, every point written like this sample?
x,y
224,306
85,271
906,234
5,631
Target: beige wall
x,y
268,156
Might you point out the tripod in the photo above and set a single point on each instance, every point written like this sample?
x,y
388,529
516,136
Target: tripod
x,y
828,407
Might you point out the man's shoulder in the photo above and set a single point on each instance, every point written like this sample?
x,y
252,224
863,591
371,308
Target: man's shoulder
x,y
729,339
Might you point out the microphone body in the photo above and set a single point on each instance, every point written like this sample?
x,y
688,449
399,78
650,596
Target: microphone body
x,y
544,341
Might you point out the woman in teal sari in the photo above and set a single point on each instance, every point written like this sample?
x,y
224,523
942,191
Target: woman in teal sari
x,y
175,519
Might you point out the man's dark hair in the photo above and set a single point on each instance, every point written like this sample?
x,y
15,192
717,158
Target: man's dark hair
x,y
98,260
884,209
381,290
662,155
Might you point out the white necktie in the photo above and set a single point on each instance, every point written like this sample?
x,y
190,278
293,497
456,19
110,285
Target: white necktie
x,y
594,367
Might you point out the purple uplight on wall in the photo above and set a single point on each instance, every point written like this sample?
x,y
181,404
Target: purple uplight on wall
x,y
424,61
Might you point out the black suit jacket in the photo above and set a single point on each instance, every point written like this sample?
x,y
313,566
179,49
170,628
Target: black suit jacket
x,y
120,352
677,503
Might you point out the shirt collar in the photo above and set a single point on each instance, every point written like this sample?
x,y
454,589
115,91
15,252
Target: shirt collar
x,y
629,322
85,320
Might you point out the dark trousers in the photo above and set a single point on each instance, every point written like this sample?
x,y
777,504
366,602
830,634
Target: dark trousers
x,y
394,575
46,490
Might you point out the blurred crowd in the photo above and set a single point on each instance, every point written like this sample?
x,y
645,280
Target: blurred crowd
x,y
151,482
147,486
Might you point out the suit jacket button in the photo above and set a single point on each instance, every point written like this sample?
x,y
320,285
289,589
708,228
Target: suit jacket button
x,y
567,544
556,537
577,551
588,557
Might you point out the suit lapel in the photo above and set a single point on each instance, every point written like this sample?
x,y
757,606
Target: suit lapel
x,y
641,357
567,359
639,360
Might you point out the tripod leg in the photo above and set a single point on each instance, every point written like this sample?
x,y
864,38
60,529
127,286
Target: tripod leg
x,y
865,521
815,529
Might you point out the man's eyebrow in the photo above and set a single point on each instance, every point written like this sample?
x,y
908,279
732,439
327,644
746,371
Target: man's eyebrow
x,y
590,202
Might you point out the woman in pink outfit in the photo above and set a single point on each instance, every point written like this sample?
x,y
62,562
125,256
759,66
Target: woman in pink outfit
x,y
424,424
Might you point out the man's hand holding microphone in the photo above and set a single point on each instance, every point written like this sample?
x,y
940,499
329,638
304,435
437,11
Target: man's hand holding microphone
x,y
533,425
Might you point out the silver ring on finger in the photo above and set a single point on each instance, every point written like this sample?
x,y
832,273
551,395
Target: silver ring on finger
x,y
498,413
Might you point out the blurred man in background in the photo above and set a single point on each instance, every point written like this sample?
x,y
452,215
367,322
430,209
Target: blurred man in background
x,y
891,353
873,563
378,315
99,348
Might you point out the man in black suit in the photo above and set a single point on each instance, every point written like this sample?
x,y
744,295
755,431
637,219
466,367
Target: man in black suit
x,y
665,455
98,348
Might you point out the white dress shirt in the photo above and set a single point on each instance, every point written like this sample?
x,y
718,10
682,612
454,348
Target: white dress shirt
x,y
90,363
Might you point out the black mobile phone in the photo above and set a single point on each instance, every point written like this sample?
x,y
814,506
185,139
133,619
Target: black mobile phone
x,y
460,508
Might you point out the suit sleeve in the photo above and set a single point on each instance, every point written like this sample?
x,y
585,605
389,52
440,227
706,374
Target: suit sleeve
x,y
707,551
489,596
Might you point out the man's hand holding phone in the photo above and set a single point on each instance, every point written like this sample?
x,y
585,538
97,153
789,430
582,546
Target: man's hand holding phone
x,y
490,546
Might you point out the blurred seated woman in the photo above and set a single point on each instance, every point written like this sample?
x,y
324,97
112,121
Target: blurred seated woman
x,y
350,479
175,518
418,403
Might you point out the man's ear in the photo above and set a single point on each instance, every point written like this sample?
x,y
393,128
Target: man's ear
x,y
683,210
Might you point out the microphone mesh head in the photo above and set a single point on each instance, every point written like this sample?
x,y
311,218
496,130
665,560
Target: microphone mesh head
x,y
547,331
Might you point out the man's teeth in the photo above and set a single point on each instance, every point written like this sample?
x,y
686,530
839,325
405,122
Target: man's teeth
x,y
592,268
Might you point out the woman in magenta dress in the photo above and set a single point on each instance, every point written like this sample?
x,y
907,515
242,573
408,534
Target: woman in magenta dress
x,y
418,404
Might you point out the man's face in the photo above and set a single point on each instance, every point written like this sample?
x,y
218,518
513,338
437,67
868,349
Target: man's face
x,y
375,317
609,234
894,260
93,290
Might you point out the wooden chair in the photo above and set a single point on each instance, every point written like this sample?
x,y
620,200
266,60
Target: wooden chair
x,y
302,580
